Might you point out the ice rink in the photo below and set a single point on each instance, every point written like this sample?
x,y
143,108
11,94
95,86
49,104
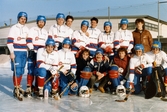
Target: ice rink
x,y
98,102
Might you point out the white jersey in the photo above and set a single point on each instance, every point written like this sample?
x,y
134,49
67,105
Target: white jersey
x,y
36,38
79,39
67,58
17,38
58,33
93,38
159,58
70,31
124,38
45,60
106,40
135,61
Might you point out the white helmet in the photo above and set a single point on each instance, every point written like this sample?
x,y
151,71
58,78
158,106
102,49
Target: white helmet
x,y
84,92
121,91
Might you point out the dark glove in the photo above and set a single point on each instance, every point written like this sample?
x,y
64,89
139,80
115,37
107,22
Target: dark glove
x,y
139,69
70,76
31,54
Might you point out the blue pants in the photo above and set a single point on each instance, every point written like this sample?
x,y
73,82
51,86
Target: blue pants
x,y
20,62
31,66
63,84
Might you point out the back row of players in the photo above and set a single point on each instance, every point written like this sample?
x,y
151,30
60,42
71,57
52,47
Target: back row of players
x,y
84,56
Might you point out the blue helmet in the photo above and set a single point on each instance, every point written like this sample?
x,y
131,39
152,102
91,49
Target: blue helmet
x,y
139,47
99,50
66,41
60,15
107,23
156,44
124,21
41,18
50,41
84,22
22,14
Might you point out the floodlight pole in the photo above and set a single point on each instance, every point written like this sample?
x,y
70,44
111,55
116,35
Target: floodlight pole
x,y
158,17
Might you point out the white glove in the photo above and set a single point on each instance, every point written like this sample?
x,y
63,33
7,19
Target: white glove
x,y
120,70
53,70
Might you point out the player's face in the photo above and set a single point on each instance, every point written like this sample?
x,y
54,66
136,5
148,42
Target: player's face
x,y
41,24
49,49
22,20
139,52
85,55
155,50
93,24
124,26
107,29
84,28
66,46
60,21
69,22
121,54
99,56
139,26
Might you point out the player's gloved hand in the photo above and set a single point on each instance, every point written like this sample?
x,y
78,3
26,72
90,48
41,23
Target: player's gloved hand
x,y
31,54
108,49
139,69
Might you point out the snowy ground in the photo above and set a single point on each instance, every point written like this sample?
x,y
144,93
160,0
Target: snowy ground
x,y
98,102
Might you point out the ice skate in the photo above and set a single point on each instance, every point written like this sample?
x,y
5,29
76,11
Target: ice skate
x,y
16,93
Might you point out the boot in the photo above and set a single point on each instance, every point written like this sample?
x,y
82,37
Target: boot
x,y
17,94
53,93
21,90
101,89
28,92
41,93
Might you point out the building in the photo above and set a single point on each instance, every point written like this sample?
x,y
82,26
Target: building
x,y
151,24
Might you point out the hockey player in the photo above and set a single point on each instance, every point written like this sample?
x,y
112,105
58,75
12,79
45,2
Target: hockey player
x,y
67,73
99,66
59,31
93,36
36,39
118,71
69,20
47,62
142,36
16,44
106,40
80,39
140,65
123,37
160,58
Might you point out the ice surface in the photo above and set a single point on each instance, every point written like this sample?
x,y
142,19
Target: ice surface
x,y
98,102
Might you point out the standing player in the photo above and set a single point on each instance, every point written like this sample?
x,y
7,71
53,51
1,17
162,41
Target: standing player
x,y
106,40
80,39
59,31
123,37
47,62
16,43
142,36
36,39
93,36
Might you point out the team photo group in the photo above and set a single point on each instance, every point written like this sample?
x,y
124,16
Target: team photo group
x,y
63,61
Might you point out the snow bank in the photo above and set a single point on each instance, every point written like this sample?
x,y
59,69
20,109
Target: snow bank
x,y
4,60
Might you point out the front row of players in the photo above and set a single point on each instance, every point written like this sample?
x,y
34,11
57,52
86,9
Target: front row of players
x,y
60,70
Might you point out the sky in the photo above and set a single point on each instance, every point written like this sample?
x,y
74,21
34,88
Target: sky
x,y
49,8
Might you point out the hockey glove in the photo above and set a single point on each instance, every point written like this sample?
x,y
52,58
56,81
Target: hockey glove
x,y
108,49
139,69
31,54
120,70
53,70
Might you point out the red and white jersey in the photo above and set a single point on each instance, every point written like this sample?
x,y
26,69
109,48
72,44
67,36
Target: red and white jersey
x,y
123,38
80,39
58,33
36,38
106,40
93,35
159,58
45,60
135,61
17,38
67,59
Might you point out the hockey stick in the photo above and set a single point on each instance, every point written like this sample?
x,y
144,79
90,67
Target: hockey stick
x,y
52,76
17,89
57,97
126,98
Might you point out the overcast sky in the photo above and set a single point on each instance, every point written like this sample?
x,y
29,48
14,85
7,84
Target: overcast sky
x,y
10,8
